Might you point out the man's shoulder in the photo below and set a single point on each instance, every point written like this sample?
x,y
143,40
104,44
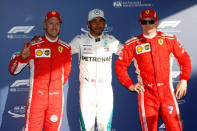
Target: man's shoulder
x,y
132,40
63,43
77,40
109,36
38,42
81,36
166,35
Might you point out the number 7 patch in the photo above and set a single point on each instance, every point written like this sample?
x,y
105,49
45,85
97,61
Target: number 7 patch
x,y
170,109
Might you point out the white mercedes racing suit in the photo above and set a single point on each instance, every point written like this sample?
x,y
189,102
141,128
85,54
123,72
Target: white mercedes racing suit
x,y
96,94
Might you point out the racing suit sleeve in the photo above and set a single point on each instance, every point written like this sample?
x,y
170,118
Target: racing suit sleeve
x,y
75,45
17,64
183,59
122,63
117,46
67,65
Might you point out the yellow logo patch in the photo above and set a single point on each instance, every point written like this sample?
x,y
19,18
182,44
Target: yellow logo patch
x,y
139,49
147,11
47,52
160,41
143,48
39,52
60,48
53,12
147,47
42,53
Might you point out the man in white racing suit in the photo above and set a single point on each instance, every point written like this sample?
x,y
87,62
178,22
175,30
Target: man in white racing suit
x,y
95,51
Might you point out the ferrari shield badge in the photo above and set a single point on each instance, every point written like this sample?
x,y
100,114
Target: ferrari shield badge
x,y
60,48
147,12
160,41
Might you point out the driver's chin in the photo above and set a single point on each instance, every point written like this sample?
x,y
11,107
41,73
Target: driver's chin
x,y
98,32
148,30
53,36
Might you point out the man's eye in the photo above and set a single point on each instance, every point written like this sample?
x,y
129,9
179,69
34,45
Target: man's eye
x,y
93,21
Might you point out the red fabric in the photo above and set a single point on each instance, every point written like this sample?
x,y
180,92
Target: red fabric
x,y
152,63
53,14
154,66
50,66
148,13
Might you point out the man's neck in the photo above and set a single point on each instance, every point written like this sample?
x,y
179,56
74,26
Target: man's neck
x,y
51,40
95,35
150,35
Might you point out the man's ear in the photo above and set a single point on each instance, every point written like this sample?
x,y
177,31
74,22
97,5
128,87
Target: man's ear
x,y
45,25
157,23
88,24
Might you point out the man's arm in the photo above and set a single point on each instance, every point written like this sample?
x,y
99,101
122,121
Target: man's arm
x,y
75,45
67,65
185,67
116,46
119,48
21,60
121,65
181,89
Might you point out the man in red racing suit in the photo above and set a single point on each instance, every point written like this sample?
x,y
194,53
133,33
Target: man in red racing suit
x,y
50,65
151,52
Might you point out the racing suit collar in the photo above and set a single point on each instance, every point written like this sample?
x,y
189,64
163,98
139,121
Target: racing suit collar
x,y
50,39
149,38
98,38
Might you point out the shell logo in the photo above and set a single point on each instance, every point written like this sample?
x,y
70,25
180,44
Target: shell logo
x,y
39,52
139,49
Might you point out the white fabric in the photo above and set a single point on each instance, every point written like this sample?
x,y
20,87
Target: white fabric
x,y
95,13
96,94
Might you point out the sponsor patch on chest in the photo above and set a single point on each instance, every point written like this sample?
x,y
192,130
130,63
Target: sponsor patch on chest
x,y
87,50
106,49
143,48
42,52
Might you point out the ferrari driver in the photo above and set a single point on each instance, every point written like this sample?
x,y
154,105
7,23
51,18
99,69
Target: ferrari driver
x,y
49,61
151,53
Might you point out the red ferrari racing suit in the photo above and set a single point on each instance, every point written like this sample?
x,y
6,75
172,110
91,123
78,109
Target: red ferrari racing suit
x,y
153,66
50,66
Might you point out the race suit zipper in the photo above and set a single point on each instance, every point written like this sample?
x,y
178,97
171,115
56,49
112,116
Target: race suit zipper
x,y
96,77
153,63
154,70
